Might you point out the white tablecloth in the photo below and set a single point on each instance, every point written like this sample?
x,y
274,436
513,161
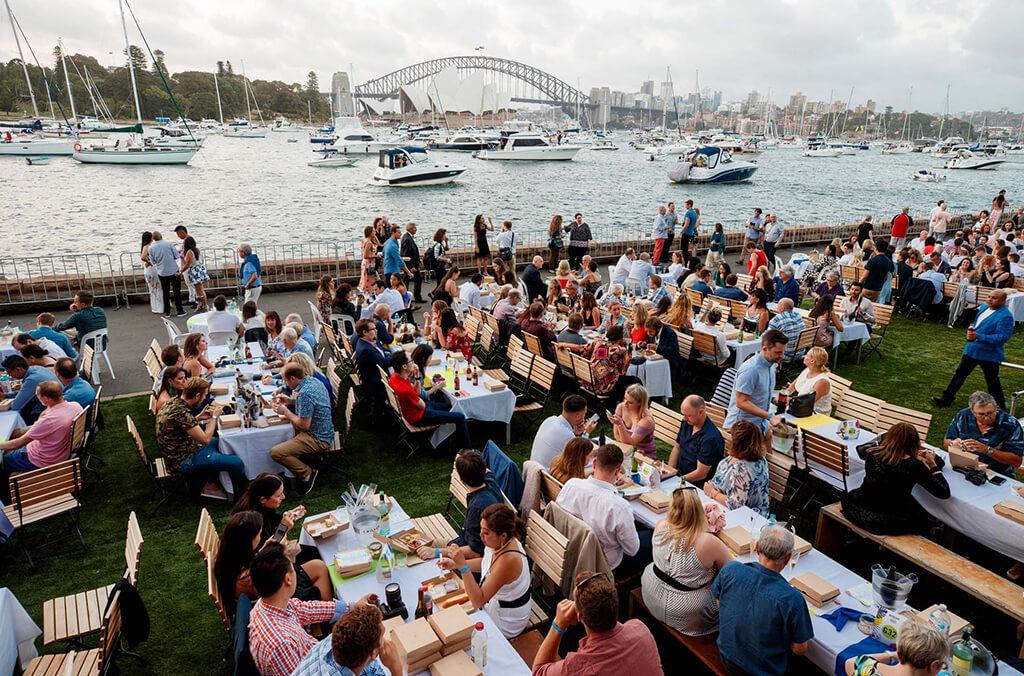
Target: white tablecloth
x,y
502,658
17,633
799,262
656,375
197,323
481,404
9,421
1015,303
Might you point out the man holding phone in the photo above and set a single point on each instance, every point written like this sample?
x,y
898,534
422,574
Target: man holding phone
x,y
555,432
989,432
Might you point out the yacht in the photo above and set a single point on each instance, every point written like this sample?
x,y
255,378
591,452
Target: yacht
x,y
134,154
208,126
820,149
965,159
462,143
35,146
286,126
528,147
241,128
927,176
332,158
354,140
604,144
947,148
408,167
710,164
323,135
897,148
176,137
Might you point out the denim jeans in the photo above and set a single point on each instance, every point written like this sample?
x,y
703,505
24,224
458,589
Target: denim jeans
x,y
435,414
209,461
17,461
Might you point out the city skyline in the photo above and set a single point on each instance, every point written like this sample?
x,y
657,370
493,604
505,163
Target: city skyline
x,y
882,48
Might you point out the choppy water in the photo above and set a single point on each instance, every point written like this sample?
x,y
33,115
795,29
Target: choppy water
x,y
260,190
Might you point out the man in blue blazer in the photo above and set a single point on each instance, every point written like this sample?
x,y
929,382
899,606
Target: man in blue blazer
x,y
370,355
666,344
986,339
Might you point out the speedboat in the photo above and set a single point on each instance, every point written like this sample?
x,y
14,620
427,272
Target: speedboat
x,y
283,125
604,144
710,164
926,176
332,158
821,150
409,166
462,143
521,146
354,140
175,137
897,148
35,146
241,128
324,135
965,159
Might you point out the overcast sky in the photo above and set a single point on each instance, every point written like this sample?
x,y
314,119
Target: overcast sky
x,y
879,47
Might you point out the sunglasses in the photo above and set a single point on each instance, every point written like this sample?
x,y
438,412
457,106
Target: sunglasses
x,y
687,487
584,581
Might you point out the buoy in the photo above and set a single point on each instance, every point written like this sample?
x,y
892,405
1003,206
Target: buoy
x,y
78,147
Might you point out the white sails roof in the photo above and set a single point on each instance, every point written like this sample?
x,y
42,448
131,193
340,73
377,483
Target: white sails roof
x,y
380,108
451,94
414,99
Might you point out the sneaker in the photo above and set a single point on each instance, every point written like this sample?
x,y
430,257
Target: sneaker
x,y
182,313
941,402
214,492
304,487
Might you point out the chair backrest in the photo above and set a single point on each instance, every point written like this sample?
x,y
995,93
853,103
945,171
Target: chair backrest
x,y
717,414
133,432
857,406
335,380
515,344
457,488
214,592
207,538
550,487
743,280
152,363
533,344
173,333
78,432
346,345
133,549
840,386
666,423
723,391
829,454
890,414
96,339
949,289
685,345
805,339
472,325
546,547
486,338
779,466
883,314
152,404
564,357
154,347
492,321
583,369
350,405
984,294
522,363
696,297
542,374
737,308
47,485
315,317
110,633
849,274
223,337
704,343
86,356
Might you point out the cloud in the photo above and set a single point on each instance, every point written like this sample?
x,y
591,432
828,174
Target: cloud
x,y
879,47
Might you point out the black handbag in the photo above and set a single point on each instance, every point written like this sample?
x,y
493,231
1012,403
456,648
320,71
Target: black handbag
x,y
801,406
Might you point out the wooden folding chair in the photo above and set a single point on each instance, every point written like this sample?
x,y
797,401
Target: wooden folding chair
x,y
779,467
86,361
890,414
707,349
152,363
472,326
214,593
43,494
857,406
666,423
696,297
539,387
563,356
829,457
550,487
583,368
520,366
533,344
155,467
547,548
883,317
408,433
95,662
716,413
840,386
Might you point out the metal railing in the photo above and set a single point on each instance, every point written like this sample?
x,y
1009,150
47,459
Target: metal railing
x,y
37,280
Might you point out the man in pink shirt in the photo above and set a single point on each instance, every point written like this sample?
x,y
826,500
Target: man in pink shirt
x,y
47,441
609,646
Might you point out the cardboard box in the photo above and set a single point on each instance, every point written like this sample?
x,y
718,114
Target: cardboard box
x,y
444,587
1011,509
324,526
495,386
666,470
456,664
406,541
956,623
392,623
801,546
353,562
423,664
959,458
452,625
815,588
218,389
460,647
657,501
229,422
738,539
416,641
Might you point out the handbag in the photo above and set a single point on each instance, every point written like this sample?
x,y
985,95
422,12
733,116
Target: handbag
x,y
801,406
555,242
505,252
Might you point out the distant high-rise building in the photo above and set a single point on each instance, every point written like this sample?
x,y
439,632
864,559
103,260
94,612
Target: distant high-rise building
x,y
715,102
752,99
796,103
341,95
647,87
870,105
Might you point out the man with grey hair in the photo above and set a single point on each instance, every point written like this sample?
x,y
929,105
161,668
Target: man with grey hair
x,y
762,618
989,432
508,307
789,322
639,273
987,336
531,279
291,343
250,273
699,446
773,234
786,285
295,321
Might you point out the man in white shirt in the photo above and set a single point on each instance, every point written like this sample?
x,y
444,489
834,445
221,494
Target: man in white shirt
x,y
938,219
847,257
929,273
597,503
384,296
919,241
774,232
623,266
470,291
52,349
220,320
555,432
855,307
642,270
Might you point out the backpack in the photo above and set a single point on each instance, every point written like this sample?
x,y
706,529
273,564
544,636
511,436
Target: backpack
x,y
429,262
134,617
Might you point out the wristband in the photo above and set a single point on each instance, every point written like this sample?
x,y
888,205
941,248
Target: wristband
x,y
558,630
463,570
437,553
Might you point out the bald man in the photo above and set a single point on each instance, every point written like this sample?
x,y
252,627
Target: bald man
x,y
699,446
986,339
532,281
789,322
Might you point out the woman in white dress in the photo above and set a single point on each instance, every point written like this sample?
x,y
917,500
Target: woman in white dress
x,y
149,273
504,588
814,378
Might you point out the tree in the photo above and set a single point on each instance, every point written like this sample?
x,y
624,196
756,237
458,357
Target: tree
x,y
158,63
312,85
138,58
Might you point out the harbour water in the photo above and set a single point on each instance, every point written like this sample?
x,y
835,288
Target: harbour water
x,y
261,191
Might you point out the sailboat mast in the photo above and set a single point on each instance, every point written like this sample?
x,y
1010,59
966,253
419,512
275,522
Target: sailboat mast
x,y
942,123
245,87
309,107
131,66
216,88
21,57
664,104
67,79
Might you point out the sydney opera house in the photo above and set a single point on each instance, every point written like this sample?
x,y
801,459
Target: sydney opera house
x,y
444,94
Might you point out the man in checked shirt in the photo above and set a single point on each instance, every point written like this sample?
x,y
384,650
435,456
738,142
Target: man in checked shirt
x,y
277,639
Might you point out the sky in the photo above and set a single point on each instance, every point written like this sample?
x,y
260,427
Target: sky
x,y
881,48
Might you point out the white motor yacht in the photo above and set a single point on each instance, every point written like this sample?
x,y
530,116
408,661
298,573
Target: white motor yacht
x,y
604,144
897,148
35,146
241,128
927,176
286,126
332,158
409,166
528,147
711,164
461,143
353,139
965,159
821,150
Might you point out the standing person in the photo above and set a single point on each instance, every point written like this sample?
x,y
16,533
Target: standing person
x,y
755,258
671,221
864,231
411,251
716,248
368,258
507,247
986,341
164,257
152,277
938,219
773,236
900,224
755,226
755,380
393,263
876,270
192,268
250,273
579,241
437,260
689,228
555,240
660,234
481,248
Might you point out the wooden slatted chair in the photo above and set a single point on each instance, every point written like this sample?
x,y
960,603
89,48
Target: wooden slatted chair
x,y
848,274
440,526
696,297
43,494
583,368
840,386
707,350
804,342
716,413
828,455
515,343
520,367
685,341
666,423
533,344
550,487
737,308
409,435
85,361
487,347
207,538
539,388
79,433
436,528
472,326
67,618
883,317
93,427
95,662
983,294
779,467
564,357
546,547
155,467
154,348
743,280
152,363
949,290
492,322
857,406
890,414
214,594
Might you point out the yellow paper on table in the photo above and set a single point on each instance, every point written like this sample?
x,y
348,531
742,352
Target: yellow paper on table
x,y
813,422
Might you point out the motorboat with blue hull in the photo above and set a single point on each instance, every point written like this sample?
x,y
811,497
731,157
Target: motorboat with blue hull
x,y
410,166
710,164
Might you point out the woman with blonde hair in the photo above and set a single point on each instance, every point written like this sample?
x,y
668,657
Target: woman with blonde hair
x,y
637,330
814,378
564,273
571,463
742,478
632,422
677,584
921,650
680,315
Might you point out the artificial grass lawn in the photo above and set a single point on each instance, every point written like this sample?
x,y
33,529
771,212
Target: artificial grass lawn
x,y
186,631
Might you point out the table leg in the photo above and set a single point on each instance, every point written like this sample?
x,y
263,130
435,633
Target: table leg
x,y
508,433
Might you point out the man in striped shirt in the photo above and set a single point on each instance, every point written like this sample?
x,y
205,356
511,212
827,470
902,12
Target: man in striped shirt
x,y
277,639
790,323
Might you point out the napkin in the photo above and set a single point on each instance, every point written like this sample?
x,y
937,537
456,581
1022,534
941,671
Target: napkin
x,y
867,646
840,616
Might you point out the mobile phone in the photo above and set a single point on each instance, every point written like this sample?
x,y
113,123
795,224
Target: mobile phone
x,y
997,480
592,420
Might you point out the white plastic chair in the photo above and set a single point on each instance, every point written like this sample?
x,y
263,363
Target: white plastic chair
x,y
175,336
317,318
99,341
635,285
228,338
343,324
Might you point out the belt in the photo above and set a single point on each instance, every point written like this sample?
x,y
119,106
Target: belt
x,y
674,583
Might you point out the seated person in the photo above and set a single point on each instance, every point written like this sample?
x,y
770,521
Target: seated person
x,y
985,430
254,324
677,584
680,314
357,645
656,290
471,292
699,447
786,285
172,383
814,378
555,432
608,646
703,283
454,334
920,649
572,462
23,340
504,587
381,316
756,595
481,493
790,323
196,364
711,317
665,342
76,388
37,356
829,287
533,323
294,320
169,356
614,318
384,295
312,419
418,411
570,300
730,290
596,501
85,317
632,422
219,320
743,478
25,401
856,306
570,335
369,354
44,329
508,307
308,368
277,638
189,449
290,343
883,503
46,441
